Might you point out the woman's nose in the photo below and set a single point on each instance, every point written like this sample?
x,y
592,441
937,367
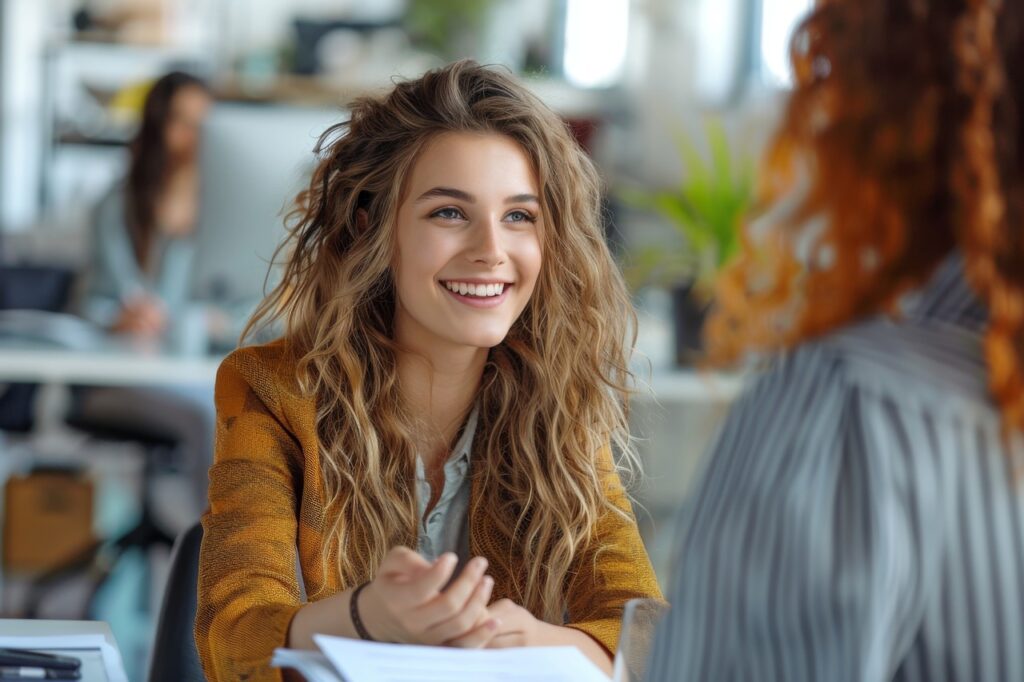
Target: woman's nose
x,y
488,247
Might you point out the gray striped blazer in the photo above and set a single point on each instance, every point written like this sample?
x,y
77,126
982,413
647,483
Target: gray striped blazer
x,y
857,518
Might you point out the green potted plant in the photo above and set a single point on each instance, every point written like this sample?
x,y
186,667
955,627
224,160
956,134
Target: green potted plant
x,y
705,210
448,28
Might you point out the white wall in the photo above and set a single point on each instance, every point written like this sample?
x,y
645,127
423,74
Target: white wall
x,y
24,27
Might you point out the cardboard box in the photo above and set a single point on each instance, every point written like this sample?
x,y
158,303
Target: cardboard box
x,y
47,519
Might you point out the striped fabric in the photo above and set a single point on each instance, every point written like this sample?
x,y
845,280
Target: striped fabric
x,y
858,518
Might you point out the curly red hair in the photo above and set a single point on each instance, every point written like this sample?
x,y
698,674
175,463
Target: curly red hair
x,y
902,141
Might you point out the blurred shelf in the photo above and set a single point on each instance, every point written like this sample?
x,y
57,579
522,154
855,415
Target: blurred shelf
x,y
78,140
574,102
288,89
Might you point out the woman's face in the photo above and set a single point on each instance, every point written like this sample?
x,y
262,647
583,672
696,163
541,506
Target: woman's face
x,y
469,248
181,134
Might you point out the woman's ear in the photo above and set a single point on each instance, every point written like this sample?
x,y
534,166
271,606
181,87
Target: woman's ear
x,y
362,219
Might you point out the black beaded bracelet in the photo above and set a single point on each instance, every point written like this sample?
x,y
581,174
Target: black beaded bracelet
x,y
353,612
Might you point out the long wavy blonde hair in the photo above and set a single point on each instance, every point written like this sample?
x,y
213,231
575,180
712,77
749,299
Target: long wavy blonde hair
x,y
553,393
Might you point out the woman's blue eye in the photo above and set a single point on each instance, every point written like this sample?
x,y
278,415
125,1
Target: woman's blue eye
x,y
521,217
448,214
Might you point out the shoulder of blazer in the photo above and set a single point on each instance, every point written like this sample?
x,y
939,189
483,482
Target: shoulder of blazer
x,y
270,371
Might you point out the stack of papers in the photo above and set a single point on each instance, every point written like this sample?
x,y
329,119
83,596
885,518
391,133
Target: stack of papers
x,y
349,660
100,660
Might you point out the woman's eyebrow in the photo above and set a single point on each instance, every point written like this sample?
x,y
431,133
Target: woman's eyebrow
x,y
522,198
453,193
447,192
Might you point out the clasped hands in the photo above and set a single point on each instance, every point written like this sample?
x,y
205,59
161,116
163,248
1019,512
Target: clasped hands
x,y
411,601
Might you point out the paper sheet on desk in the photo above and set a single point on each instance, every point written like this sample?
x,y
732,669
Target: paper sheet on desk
x,y
112,663
376,662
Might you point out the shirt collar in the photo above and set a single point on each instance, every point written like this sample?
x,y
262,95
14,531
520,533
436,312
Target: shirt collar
x,y
457,465
947,297
464,446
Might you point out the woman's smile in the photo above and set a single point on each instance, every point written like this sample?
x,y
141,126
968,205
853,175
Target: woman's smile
x,y
477,293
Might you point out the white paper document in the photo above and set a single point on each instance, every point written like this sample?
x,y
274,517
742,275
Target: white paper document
x,y
358,661
312,665
100,660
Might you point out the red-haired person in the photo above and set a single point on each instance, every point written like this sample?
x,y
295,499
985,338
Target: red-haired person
x,y
861,515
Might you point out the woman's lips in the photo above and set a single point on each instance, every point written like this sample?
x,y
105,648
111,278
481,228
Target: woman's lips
x,y
477,301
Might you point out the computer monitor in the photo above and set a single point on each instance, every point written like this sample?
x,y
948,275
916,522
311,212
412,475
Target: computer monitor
x,y
253,159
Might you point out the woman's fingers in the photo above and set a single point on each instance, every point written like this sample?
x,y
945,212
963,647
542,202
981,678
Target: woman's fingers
x,y
402,562
478,637
505,610
422,588
469,618
506,640
455,597
418,601
395,592
514,621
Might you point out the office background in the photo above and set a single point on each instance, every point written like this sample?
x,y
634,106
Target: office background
x,y
673,98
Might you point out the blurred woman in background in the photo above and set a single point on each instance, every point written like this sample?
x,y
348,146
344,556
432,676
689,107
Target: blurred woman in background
x,y
138,284
861,516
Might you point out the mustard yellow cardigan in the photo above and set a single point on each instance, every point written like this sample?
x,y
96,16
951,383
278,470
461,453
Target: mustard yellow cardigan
x,y
266,503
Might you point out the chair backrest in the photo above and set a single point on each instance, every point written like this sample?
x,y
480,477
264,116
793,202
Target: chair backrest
x,y
35,287
174,657
28,288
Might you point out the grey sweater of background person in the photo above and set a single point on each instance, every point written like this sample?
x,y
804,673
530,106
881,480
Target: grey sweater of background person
x,y
114,275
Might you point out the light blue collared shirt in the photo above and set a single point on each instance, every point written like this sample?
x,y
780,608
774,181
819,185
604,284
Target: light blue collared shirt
x,y
446,528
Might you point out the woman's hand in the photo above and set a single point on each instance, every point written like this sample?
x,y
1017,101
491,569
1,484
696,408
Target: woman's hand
x,y
408,602
516,625
142,316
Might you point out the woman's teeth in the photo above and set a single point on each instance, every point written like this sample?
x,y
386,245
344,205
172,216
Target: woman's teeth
x,y
483,290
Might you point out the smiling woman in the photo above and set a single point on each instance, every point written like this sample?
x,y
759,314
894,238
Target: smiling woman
x,y
459,242
434,430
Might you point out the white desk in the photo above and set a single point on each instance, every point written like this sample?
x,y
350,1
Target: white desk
x,y
110,363
119,365
94,669
107,366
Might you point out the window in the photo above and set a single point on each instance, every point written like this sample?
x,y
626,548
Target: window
x,y
595,41
778,20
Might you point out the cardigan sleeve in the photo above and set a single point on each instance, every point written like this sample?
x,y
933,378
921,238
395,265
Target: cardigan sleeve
x,y
248,592
613,570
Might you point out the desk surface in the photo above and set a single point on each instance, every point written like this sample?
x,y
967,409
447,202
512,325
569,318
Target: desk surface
x,y
55,628
117,366
113,366
95,668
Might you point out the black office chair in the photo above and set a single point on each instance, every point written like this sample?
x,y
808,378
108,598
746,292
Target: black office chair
x,y
31,298
28,288
99,559
174,657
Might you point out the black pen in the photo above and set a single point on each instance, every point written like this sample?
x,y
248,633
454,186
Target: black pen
x,y
34,673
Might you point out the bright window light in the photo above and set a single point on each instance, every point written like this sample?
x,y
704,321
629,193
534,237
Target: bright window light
x,y
778,19
595,41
